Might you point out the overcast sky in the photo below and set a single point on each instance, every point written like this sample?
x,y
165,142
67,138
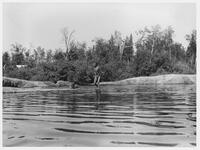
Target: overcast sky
x,y
40,24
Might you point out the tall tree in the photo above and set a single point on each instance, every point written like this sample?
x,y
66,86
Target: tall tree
x,y
6,58
128,49
77,51
67,37
49,56
59,55
40,54
114,53
168,36
17,54
191,49
119,42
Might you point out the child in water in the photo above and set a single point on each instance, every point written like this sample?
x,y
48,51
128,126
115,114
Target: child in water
x,y
96,74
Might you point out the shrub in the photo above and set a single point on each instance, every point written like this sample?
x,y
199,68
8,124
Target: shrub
x,y
181,67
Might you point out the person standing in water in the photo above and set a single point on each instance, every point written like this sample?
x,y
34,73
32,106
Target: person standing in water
x,y
96,74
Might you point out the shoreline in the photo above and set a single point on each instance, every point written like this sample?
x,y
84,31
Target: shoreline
x,y
169,79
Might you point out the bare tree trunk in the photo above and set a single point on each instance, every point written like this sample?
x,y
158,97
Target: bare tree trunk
x,y
152,49
121,49
67,36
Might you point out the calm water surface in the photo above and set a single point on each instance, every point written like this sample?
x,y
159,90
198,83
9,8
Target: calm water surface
x,y
111,116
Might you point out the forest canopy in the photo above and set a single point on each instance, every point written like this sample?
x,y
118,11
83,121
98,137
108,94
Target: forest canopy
x,y
153,53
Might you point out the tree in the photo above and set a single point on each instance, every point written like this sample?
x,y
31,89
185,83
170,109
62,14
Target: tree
x,y
59,55
49,56
128,49
77,51
141,63
178,52
156,46
101,51
191,49
114,53
29,59
27,55
118,42
17,54
6,59
39,55
154,52
168,33
67,37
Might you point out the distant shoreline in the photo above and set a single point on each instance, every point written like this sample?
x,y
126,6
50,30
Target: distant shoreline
x,y
169,79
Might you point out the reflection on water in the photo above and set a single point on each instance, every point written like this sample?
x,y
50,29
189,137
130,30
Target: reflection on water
x,y
110,116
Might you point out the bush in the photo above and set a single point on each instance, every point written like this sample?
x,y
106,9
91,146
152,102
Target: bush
x,y
21,73
160,71
84,72
181,67
143,59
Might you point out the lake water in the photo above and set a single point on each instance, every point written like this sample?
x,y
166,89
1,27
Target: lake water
x,y
111,116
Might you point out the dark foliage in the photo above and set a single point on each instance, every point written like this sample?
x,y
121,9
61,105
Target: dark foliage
x,y
154,53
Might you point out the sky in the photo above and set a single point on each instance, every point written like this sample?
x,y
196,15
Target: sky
x,y
40,24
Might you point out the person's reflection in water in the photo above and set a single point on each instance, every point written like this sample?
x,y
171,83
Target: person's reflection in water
x,y
74,103
98,98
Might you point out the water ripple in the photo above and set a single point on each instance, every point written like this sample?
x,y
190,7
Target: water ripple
x,y
112,116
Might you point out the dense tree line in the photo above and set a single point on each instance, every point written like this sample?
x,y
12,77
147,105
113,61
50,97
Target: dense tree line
x,y
153,53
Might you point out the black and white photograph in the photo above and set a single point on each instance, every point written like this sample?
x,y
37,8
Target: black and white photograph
x,y
114,74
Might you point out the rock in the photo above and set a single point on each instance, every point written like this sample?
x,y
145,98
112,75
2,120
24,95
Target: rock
x,y
50,84
61,83
13,82
29,85
38,83
159,80
74,86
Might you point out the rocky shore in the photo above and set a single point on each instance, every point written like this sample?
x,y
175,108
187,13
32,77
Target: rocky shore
x,y
12,85
159,80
